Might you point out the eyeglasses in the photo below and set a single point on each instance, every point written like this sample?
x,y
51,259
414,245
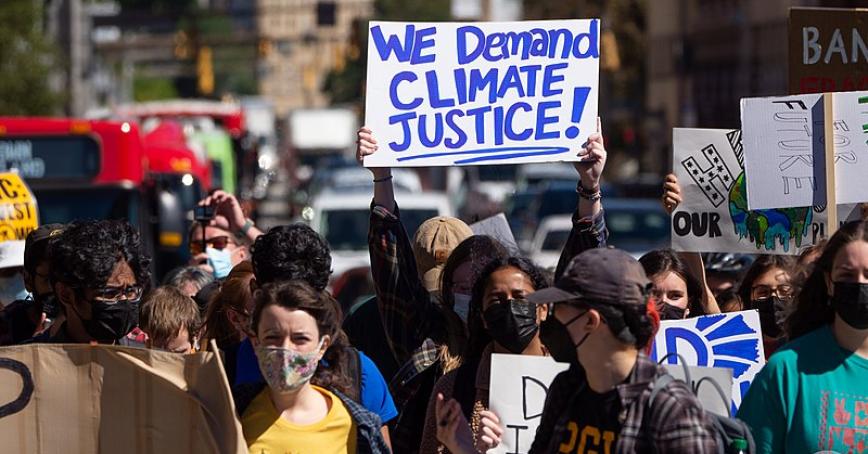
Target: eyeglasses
x,y
115,294
217,242
762,292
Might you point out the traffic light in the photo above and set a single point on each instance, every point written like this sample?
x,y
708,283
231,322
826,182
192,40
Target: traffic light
x,y
205,71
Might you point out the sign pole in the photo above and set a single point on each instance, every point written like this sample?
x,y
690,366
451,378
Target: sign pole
x,y
829,135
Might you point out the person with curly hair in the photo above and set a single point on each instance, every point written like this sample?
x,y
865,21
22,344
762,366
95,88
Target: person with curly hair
x,y
99,273
811,394
290,252
500,320
601,318
303,406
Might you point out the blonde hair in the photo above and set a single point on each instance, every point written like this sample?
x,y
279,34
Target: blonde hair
x,y
165,311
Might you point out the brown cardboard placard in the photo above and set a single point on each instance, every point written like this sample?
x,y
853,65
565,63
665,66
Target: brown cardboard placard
x,y
81,399
836,33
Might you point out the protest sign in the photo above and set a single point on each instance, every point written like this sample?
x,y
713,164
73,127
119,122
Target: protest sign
x,y
519,385
707,394
732,341
18,217
714,217
785,153
442,94
82,399
828,50
498,228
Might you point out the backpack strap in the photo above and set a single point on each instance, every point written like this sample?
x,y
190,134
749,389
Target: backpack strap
x,y
659,383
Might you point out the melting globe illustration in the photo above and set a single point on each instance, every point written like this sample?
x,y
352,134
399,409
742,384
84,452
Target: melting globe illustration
x,y
767,227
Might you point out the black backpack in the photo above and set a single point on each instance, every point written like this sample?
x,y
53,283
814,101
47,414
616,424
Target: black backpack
x,y
726,429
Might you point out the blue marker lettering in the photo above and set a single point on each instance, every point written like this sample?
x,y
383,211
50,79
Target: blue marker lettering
x,y
510,113
461,85
498,125
438,130
542,120
404,119
434,92
480,122
511,80
550,78
393,91
593,39
423,41
450,122
478,83
531,71
385,49
493,41
461,37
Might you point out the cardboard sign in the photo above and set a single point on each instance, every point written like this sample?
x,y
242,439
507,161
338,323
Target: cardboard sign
x,y
707,394
828,50
497,227
442,94
714,217
732,341
519,385
81,399
784,149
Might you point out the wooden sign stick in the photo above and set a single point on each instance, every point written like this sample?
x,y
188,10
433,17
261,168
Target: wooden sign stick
x,y
829,135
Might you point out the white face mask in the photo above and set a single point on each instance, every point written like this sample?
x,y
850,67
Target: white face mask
x,y
461,305
12,289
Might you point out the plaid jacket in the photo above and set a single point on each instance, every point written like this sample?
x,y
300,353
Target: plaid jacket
x,y
674,423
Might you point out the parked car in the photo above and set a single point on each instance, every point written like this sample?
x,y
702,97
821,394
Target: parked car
x,y
342,218
635,225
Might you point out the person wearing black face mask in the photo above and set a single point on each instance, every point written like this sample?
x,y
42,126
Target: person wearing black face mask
x,y
821,375
767,288
500,320
98,272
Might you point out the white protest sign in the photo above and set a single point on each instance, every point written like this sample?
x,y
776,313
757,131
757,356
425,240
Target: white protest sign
x,y
732,341
707,394
784,139
442,94
519,385
498,228
714,217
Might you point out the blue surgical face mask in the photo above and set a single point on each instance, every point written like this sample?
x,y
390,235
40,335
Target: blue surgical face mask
x,y
12,289
220,260
461,305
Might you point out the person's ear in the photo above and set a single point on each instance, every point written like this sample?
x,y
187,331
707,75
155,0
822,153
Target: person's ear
x,y
687,312
594,320
254,286
542,312
830,286
326,343
243,254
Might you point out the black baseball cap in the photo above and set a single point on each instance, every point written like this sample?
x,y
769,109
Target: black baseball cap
x,y
602,276
36,245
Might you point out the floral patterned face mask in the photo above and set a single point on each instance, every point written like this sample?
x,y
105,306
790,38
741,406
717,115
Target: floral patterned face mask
x,y
285,369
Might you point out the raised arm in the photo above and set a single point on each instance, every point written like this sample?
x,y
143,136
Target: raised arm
x,y
671,198
589,226
404,303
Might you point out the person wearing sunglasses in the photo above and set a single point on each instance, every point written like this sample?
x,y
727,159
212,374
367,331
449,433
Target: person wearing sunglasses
x,y
98,272
767,288
226,236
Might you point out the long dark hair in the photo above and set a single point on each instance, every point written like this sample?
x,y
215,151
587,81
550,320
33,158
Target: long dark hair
x,y
465,384
234,295
666,260
812,309
299,295
760,266
480,250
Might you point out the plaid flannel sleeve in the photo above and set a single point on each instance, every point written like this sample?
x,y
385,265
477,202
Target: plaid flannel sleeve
x,y
401,296
587,233
682,426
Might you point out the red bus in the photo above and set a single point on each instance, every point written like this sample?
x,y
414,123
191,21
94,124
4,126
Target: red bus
x,y
97,169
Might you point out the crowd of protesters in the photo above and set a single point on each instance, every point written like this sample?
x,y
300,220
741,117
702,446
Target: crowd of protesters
x,y
445,301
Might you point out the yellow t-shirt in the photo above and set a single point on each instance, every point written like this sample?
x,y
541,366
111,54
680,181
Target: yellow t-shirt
x,y
267,433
